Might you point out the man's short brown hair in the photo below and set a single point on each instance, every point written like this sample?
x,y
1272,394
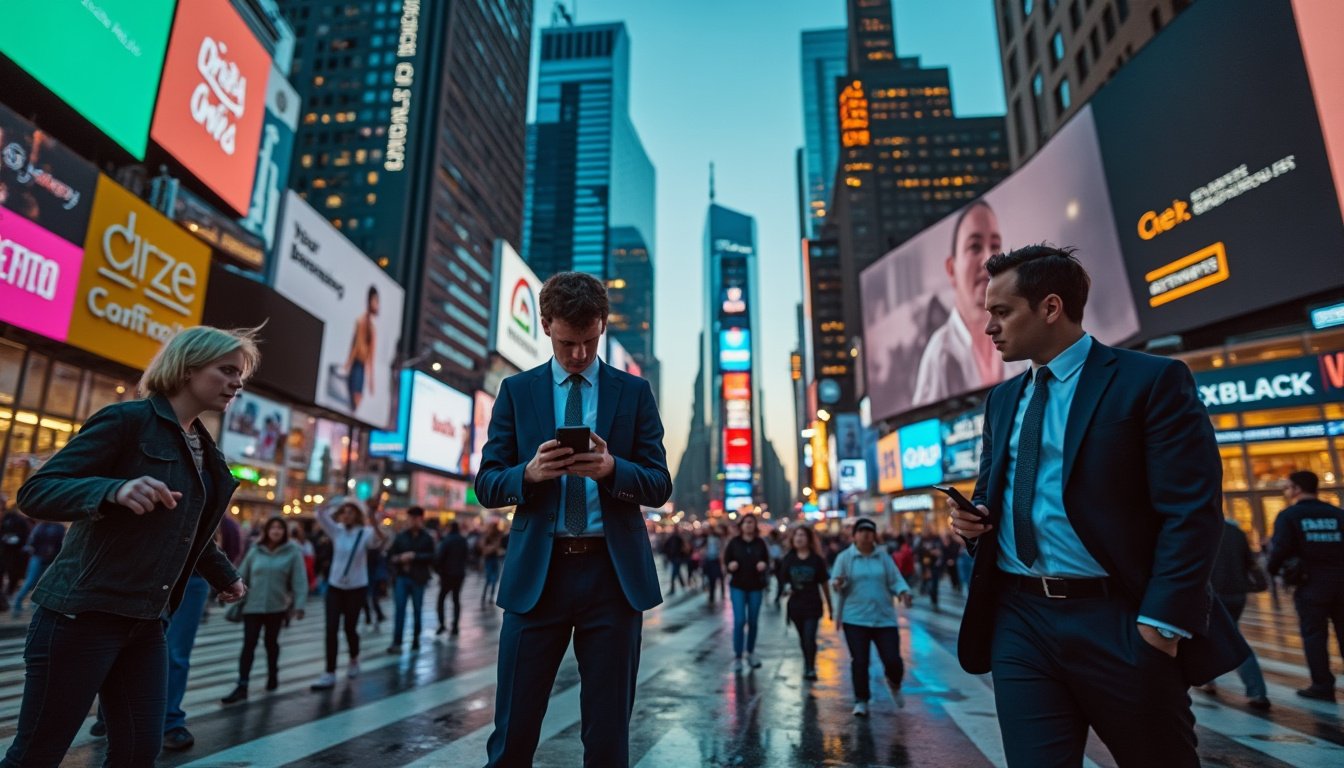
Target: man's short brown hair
x,y
577,298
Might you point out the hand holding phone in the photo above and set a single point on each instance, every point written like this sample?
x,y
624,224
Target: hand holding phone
x,y
961,502
577,439
967,519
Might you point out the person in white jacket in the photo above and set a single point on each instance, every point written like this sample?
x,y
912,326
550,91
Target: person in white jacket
x,y
348,581
865,580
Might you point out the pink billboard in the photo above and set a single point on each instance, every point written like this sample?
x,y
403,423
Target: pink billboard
x,y
39,273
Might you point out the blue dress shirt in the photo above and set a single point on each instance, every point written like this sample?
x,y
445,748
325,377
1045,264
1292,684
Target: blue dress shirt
x,y
560,393
1060,553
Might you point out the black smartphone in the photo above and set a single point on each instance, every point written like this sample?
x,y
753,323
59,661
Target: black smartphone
x,y
961,501
574,438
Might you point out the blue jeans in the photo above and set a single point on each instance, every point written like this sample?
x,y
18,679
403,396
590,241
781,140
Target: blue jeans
x,y
746,610
36,567
69,660
1249,671
181,637
407,588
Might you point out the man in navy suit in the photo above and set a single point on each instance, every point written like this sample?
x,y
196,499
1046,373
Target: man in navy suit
x,y
1101,487
579,560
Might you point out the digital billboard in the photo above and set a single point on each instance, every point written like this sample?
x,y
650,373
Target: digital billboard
x,y
737,414
962,443
39,273
737,386
923,303
102,58
518,335
889,463
211,98
42,180
853,476
255,430
142,280
619,357
735,350
1250,220
359,304
1318,25
440,428
483,405
326,459
278,126
392,443
921,454
737,446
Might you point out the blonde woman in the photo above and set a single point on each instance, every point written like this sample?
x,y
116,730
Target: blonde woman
x,y
144,488
343,520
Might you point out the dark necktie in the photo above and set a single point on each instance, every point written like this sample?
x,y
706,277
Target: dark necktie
x,y
576,496
1024,476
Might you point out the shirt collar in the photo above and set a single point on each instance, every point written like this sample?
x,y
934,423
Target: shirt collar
x,y
959,328
1069,361
559,375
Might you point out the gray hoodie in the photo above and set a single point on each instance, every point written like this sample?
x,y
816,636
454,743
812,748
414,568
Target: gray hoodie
x,y
276,581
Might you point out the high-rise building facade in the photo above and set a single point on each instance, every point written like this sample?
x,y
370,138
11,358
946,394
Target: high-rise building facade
x,y
732,326
824,55
690,484
1057,53
590,184
905,159
411,143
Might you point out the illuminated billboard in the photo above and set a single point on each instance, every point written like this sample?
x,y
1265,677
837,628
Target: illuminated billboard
x,y
518,336
102,58
735,350
737,446
737,386
889,463
440,427
212,98
921,446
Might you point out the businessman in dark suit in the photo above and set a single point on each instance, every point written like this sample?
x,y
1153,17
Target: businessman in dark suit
x,y
1101,482
579,560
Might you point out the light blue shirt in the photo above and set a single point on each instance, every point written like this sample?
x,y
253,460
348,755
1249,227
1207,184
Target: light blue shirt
x,y
1059,551
560,391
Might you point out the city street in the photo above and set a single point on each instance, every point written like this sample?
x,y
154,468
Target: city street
x,y
434,707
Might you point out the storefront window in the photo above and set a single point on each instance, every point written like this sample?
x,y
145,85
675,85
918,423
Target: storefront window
x,y
1326,341
11,362
102,391
1234,468
1204,360
1225,421
1238,509
63,391
1271,462
1281,416
1264,351
33,380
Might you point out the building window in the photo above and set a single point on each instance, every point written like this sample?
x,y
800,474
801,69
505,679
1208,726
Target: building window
x,y
1027,6
1080,63
1062,99
1057,48
1014,74
1108,22
1075,15
1123,6
1030,46
1156,17
1096,45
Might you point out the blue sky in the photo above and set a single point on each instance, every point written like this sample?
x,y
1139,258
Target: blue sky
x,y
719,80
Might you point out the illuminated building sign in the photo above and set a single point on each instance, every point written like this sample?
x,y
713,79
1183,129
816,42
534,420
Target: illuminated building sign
x,y
854,116
735,350
403,77
737,386
921,454
1187,275
889,463
733,303
1327,317
737,446
737,471
853,476
821,463
737,414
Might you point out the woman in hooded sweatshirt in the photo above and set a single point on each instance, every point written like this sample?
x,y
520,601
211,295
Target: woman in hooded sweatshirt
x,y
278,586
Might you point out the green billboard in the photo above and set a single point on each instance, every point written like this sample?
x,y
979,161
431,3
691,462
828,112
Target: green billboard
x,y
102,57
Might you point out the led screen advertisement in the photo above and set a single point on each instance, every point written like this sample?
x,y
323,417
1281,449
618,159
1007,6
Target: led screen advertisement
x,y
737,446
359,305
923,303
142,280
255,430
102,57
483,406
737,386
392,443
212,97
962,443
735,350
921,454
889,463
279,123
1251,219
518,336
1318,25
439,434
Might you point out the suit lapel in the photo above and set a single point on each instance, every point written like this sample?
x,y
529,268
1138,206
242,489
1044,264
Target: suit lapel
x,y
608,397
1095,376
543,400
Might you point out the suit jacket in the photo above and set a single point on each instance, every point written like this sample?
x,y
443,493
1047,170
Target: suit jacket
x,y
524,418
1143,490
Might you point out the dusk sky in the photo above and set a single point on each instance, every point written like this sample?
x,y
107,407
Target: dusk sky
x,y
720,80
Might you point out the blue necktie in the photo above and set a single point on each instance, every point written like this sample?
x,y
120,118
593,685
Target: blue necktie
x,y
1024,476
576,496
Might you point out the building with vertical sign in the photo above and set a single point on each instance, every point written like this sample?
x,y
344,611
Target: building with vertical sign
x,y
411,143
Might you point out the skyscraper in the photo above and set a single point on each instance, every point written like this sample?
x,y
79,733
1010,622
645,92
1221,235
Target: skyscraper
x,y
905,159
411,143
590,189
690,484
824,63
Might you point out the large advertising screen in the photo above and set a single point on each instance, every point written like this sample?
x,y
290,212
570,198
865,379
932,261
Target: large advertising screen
x,y
440,428
317,268
1251,219
143,279
212,97
102,58
278,126
923,303
255,430
962,443
517,320
737,446
921,453
735,350
1318,25
392,443
889,463
483,406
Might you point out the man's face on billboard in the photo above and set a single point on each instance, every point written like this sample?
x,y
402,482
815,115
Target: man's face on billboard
x,y
976,239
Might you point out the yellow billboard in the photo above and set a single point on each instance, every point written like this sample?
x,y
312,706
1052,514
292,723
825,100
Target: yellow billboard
x,y
143,279
889,478
821,457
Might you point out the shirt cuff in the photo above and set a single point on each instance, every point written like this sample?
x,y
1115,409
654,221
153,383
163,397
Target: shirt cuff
x,y
1163,625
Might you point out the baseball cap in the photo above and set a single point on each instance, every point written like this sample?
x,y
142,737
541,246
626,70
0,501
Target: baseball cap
x,y
864,524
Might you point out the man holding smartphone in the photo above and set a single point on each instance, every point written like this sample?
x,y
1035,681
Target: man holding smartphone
x,y
1096,522
579,561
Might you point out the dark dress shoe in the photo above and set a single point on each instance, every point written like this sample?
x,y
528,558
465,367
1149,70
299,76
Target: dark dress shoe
x,y
1259,702
272,681
1319,694
178,739
239,694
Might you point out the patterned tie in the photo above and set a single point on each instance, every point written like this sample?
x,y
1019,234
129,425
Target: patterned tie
x,y
576,496
1024,476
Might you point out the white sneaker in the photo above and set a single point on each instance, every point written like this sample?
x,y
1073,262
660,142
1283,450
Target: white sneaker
x,y
325,682
753,661
737,664
861,709
900,700
353,671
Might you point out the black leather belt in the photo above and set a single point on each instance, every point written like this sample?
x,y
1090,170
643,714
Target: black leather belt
x,y
579,545
1058,589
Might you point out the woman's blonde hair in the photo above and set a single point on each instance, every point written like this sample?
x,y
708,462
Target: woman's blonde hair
x,y
193,348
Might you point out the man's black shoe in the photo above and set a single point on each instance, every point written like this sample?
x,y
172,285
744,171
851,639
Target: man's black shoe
x,y
1319,694
1259,702
178,739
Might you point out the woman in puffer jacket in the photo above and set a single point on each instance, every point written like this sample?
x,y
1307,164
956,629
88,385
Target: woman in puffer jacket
x,y
278,584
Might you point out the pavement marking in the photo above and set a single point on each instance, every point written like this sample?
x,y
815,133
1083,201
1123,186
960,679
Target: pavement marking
x,y
1266,737
310,738
563,710
677,749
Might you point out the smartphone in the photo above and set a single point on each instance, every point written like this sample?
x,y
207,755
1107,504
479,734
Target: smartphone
x,y
574,438
962,502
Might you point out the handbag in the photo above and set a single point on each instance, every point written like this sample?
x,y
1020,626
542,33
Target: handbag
x,y
234,612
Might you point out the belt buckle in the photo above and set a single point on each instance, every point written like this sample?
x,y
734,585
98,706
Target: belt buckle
x,y
1045,585
572,546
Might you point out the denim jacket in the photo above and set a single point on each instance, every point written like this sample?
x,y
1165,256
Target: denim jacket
x,y
114,560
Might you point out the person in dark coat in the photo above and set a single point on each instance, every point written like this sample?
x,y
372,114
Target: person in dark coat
x,y
450,562
1231,580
